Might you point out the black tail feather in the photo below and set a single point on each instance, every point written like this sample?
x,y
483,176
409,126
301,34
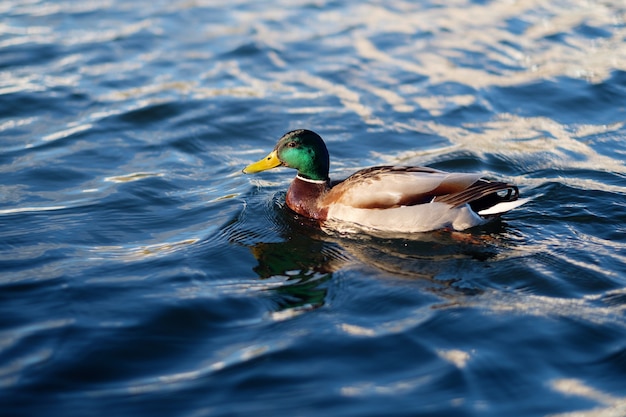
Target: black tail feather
x,y
481,195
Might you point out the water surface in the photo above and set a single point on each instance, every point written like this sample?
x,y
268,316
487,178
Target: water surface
x,y
142,274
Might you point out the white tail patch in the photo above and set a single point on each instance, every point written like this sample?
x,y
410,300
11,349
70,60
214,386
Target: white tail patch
x,y
503,207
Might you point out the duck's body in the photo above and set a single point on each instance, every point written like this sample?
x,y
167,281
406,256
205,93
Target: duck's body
x,y
385,198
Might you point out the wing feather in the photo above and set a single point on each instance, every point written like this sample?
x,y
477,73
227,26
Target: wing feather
x,y
390,186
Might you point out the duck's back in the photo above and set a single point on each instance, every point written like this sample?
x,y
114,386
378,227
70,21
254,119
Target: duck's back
x,y
414,199
387,187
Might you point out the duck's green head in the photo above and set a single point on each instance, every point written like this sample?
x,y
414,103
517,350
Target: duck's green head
x,y
301,149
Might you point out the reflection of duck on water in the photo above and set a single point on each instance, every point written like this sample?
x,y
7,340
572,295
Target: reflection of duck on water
x,y
306,262
307,258
306,267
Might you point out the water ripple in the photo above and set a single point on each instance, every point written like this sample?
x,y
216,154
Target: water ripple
x,y
142,273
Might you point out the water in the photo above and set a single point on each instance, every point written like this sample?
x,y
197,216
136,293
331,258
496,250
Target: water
x,y
142,274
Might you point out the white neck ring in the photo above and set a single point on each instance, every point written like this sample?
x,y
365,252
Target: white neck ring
x,y
310,180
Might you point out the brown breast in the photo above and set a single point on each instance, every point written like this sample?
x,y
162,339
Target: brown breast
x,y
304,197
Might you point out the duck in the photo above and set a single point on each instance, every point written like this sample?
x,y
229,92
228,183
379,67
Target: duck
x,y
389,198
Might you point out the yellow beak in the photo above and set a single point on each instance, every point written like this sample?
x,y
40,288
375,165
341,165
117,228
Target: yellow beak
x,y
269,162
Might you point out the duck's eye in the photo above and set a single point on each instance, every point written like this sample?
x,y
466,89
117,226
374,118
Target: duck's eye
x,y
292,144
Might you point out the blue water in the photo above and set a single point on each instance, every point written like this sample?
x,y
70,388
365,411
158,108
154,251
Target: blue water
x,y
141,274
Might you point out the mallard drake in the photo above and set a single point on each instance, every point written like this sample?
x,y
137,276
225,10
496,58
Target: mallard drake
x,y
403,199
